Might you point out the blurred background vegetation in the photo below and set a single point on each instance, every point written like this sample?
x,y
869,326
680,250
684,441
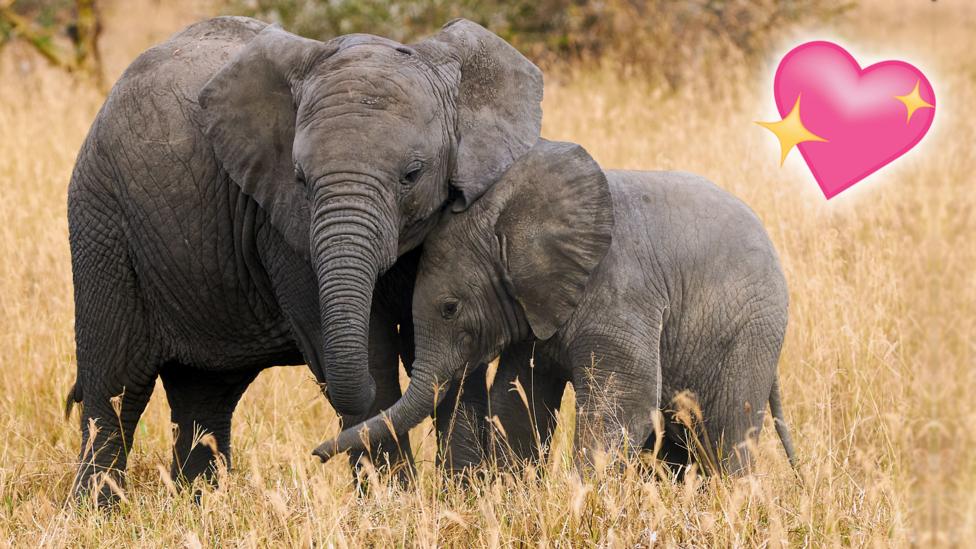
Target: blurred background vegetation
x,y
663,40
65,32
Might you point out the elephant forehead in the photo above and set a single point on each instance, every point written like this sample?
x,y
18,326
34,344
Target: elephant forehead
x,y
360,39
400,90
379,66
456,236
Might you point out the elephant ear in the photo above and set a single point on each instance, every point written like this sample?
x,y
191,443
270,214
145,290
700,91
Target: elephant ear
x,y
554,227
248,112
499,103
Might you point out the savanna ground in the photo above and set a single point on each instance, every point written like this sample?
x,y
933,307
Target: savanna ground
x,y
877,369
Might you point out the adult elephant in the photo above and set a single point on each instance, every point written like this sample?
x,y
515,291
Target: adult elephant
x,y
239,195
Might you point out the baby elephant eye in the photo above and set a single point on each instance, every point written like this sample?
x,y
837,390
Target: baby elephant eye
x,y
449,309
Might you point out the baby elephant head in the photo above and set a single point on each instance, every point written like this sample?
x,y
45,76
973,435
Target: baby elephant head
x,y
513,266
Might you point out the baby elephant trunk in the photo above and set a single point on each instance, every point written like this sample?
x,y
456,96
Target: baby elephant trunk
x,y
419,401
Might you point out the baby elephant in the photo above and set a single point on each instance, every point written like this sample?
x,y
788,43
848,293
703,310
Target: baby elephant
x,y
635,286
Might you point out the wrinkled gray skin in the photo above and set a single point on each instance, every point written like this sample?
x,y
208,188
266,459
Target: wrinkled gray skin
x,y
239,195
632,286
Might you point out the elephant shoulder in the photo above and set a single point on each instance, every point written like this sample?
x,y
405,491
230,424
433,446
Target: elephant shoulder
x,y
151,113
227,28
159,89
189,57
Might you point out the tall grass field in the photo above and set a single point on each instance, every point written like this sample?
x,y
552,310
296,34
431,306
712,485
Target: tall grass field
x,y
878,372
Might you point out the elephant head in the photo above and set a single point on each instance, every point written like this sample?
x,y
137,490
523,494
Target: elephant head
x,y
513,266
351,146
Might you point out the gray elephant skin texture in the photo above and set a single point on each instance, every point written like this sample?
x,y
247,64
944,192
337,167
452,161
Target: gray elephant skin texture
x,y
248,198
632,286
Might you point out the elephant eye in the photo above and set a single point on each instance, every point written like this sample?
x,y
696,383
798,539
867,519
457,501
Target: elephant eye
x,y
412,175
449,308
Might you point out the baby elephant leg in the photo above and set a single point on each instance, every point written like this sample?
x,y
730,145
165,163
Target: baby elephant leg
x,y
527,417
618,391
460,424
734,417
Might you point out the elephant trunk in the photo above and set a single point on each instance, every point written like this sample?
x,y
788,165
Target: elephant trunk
x,y
419,401
351,243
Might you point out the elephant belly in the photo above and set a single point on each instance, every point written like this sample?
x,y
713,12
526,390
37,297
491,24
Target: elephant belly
x,y
207,322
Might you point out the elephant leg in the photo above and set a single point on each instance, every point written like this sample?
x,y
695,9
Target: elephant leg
x,y
674,452
528,426
202,403
734,413
384,349
117,362
460,424
617,393
109,417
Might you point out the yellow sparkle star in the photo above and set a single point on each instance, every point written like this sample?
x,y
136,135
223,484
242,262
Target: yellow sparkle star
x,y
913,101
790,131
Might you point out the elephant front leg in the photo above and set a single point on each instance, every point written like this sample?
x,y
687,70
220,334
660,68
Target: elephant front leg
x,y
460,424
526,425
202,405
617,394
466,418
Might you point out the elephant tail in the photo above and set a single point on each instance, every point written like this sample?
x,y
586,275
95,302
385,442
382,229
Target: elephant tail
x,y
782,429
74,396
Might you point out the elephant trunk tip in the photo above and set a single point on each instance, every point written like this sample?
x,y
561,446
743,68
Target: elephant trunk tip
x,y
327,450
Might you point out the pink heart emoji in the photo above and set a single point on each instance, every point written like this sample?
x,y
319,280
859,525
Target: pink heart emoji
x,y
860,119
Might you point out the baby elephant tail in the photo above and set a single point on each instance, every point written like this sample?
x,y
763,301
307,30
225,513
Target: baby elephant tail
x,y
776,408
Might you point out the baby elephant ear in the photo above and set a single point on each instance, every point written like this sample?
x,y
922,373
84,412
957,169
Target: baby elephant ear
x,y
554,229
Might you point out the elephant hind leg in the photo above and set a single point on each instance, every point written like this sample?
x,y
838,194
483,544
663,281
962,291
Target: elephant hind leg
x,y
202,405
108,423
735,410
116,354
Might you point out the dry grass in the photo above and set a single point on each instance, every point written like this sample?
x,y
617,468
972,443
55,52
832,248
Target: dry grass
x,y
877,367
